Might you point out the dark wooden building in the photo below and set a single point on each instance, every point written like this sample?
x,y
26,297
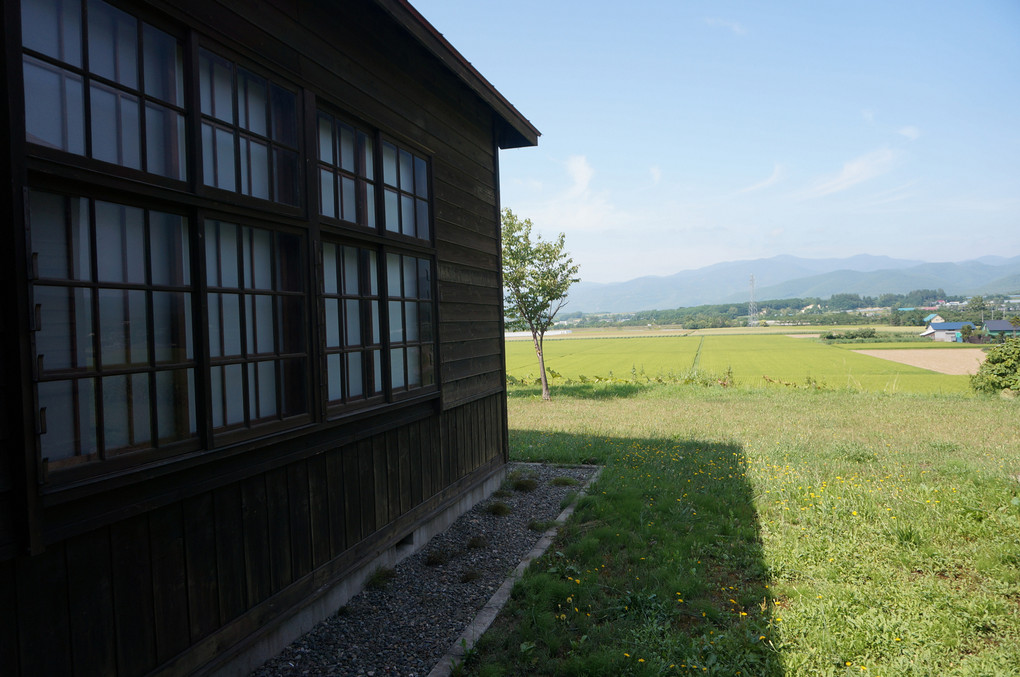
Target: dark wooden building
x,y
251,319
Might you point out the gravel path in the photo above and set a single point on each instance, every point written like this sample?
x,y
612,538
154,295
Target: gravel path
x,y
406,627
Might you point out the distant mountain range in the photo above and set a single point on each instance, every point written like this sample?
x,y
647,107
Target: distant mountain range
x,y
782,277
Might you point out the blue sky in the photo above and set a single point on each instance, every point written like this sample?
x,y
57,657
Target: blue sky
x,y
679,134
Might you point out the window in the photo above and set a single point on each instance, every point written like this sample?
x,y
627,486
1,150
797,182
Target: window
x,y
406,191
257,347
346,169
249,132
350,306
120,100
409,304
112,300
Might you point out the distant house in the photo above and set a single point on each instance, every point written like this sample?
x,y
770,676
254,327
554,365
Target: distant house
x,y
252,344
1000,327
948,332
933,317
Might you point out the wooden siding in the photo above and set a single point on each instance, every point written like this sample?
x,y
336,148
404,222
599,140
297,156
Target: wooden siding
x,y
174,587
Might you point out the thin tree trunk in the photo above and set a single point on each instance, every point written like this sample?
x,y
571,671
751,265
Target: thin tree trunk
x,y
541,364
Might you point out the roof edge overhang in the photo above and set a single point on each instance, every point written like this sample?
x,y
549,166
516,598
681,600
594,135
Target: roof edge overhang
x,y
514,130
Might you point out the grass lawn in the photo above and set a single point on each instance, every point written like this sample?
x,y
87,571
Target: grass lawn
x,y
770,532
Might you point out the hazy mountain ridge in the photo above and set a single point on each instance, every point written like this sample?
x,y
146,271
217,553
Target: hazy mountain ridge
x,y
793,277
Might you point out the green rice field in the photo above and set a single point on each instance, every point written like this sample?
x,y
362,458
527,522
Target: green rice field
x,y
754,360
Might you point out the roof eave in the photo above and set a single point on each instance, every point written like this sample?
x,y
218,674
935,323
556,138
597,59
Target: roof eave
x,y
515,131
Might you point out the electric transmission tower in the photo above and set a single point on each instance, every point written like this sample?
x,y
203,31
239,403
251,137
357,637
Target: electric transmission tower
x,y
752,308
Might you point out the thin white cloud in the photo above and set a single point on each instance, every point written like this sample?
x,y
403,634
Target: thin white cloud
x,y
854,172
731,25
776,177
910,132
580,173
656,173
868,115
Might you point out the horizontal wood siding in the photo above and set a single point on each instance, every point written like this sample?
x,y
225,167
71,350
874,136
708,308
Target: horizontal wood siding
x,y
176,586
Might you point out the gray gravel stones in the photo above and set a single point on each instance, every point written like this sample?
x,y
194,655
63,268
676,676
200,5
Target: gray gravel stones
x,y
405,627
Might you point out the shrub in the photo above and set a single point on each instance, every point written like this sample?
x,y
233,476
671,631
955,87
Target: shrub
x,y
1000,370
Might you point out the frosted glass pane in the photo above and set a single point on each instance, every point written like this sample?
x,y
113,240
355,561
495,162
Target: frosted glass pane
x,y
392,211
254,169
422,219
64,336
396,322
267,389
252,102
262,258
397,378
329,268
413,367
104,124
353,317
393,275
174,401
266,342
406,172
114,328
347,148
355,385
326,146
113,44
171,326
41,24
164,142
130,131
366,163
373,274
377,371
332,323
169,249
228,237
421,178
233,384
216,385
375,336
61,247
208,156
407,215
327,194
57,399
116,415
48,91
411,320
369,217
350,212
351,270
333,376
215,333
138,328
231,313
141,428
284,112
216,87
285,168
410,277
425,320
389,164
424,279
225,152
163,68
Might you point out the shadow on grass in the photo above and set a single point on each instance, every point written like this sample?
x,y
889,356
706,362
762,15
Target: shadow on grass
x,y
583,391
659,571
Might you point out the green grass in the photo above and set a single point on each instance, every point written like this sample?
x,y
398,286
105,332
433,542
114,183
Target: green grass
x,y
806,532
753,359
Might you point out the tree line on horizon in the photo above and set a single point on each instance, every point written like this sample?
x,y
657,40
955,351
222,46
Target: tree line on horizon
x,y
904,310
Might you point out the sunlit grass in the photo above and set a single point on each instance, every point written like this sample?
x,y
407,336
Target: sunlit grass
x,y
753,360
807,533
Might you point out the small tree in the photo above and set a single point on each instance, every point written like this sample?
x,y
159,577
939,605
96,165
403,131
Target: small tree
x,y
1000,370
536,276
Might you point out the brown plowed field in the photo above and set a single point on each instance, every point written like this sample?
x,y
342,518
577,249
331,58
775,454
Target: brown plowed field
x,y
954,361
